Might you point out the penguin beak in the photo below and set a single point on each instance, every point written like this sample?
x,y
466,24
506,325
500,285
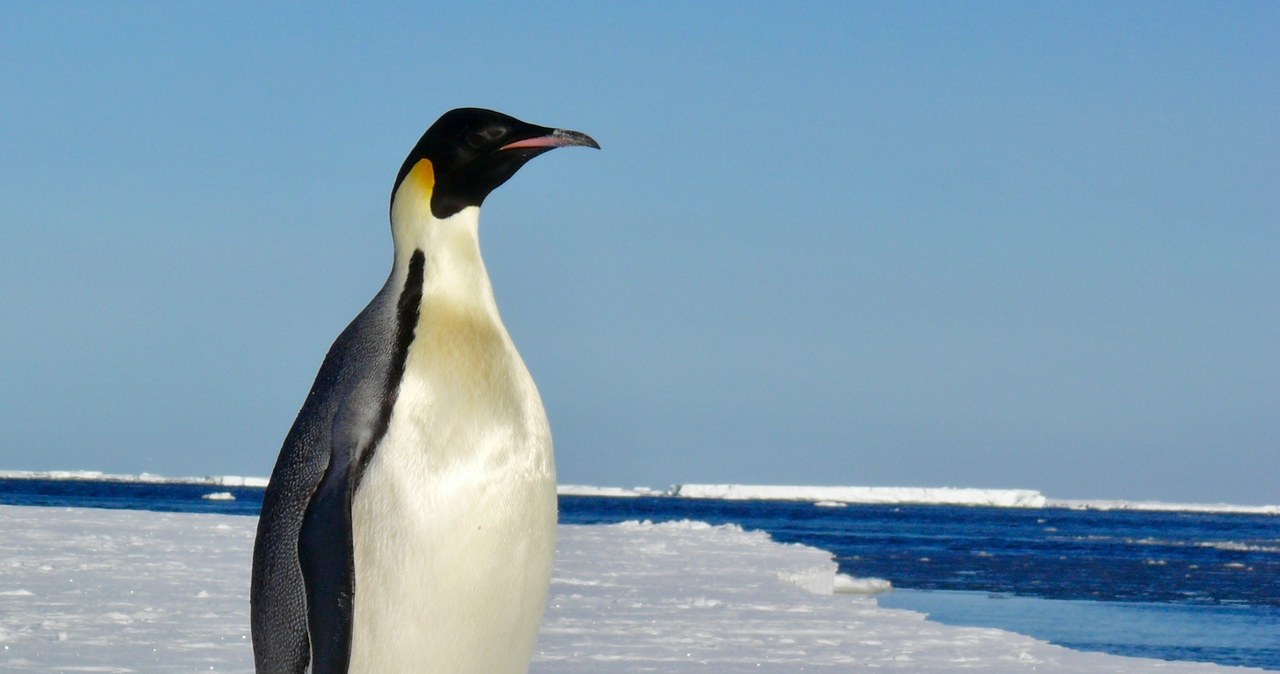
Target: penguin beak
x,y
556,138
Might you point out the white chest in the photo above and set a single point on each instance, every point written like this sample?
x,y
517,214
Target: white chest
x,y
454,520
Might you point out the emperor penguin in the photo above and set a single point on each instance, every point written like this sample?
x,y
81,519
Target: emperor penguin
x,y
409,524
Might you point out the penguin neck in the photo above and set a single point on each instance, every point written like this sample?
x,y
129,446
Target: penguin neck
x,y
454,273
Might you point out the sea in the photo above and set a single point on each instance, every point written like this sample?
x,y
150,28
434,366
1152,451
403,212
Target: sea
x,y
1170,585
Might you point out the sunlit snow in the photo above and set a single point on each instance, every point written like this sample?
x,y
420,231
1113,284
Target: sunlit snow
x,y
957,496
151,478
1006,498
131,591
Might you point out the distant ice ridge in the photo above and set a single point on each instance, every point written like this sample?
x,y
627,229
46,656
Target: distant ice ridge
x,y
834,497
616,492
150,478
1004,498
1166,507
820,496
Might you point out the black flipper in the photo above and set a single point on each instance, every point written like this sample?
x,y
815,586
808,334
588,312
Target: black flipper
x,y
326,554
326,548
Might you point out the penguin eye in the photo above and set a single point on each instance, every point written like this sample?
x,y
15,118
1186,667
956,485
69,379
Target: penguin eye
x,y
486,137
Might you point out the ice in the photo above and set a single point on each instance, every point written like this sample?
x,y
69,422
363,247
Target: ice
x,y
150,478
1006,498
585,490
846,584
132,591
820,496
999,498
961,496
238,481
1166,507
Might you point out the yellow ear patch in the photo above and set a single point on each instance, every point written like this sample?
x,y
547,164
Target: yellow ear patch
x,y
423,174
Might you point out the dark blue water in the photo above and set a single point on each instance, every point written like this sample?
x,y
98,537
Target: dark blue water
x,y
175,498
1185,586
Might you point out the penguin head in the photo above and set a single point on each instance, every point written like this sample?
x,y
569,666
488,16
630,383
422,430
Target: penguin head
x,y
469,152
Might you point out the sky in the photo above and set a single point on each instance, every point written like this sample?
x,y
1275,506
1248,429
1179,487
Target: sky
x,y
992,244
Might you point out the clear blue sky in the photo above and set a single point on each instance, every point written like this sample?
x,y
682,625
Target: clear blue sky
x,y
933,244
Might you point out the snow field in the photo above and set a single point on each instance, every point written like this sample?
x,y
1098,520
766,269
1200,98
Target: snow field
x,y
86,590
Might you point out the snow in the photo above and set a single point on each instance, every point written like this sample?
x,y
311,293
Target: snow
x,y
1166,507
150,478
615,492
846,584
238,481
1005,498
131,591
995,498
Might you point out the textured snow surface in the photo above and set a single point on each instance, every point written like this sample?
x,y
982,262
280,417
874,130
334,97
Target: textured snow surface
x,y
847,584
86,590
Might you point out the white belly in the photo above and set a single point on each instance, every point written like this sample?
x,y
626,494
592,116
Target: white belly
x,y
454,520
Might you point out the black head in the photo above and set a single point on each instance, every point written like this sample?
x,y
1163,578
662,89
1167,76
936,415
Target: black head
x,y
472,151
